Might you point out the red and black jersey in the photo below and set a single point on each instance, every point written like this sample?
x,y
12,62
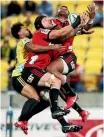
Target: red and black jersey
x,y
39,60
68,43
40,37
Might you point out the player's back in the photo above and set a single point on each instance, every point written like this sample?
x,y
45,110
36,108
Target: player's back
x,y
21,56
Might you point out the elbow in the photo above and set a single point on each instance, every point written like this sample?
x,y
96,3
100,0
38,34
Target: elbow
x,y
28,49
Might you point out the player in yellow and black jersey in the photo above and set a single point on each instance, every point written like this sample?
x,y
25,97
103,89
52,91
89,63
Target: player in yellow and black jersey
x,y
19,31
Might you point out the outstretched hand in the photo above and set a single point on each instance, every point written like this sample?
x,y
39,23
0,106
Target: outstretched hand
x,y
91,10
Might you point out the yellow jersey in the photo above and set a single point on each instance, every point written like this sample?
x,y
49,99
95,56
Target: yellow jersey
x,y
21,56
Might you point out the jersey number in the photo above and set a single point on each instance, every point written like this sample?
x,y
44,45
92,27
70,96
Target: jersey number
x,y
33,59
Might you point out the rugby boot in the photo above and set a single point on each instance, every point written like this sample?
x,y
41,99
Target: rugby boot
x,y
59,112
84,115
71,128
23,125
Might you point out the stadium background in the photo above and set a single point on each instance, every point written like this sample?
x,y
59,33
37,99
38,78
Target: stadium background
x,y
89,79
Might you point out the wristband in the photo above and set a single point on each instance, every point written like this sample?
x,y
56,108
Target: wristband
x,y
91,21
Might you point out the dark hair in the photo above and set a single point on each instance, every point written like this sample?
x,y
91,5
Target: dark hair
x,y
64,7
38,21
15,29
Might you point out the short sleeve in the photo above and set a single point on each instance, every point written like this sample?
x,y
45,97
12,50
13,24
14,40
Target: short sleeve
x,y
40,37
42,33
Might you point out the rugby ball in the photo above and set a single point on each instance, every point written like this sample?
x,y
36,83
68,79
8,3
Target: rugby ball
x,y
72,17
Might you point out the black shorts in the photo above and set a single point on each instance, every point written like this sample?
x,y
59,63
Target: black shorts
x,y
70,60
32,75
18,83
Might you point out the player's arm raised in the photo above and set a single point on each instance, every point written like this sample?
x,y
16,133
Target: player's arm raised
x,y
68,30
39,48
91,13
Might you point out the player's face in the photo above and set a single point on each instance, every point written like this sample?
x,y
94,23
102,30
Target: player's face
x,y
24,31
63,11
46,22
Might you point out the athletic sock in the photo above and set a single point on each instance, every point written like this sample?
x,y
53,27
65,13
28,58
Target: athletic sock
x,y
68,90
27,109
53,93
43,104
77,108
62,121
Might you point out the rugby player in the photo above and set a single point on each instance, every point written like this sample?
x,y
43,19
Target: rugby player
x,y
22,33
62,20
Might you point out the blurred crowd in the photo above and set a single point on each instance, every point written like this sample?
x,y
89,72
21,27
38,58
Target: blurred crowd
x,y
15,8
26,13
45,7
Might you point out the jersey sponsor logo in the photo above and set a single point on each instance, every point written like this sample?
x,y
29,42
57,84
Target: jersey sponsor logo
x,y
30,78
45,31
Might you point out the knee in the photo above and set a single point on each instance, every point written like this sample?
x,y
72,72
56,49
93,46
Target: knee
x,y
30,92
36,97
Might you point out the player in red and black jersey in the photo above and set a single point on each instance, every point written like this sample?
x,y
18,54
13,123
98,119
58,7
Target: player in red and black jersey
x,y
50,35
62,20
